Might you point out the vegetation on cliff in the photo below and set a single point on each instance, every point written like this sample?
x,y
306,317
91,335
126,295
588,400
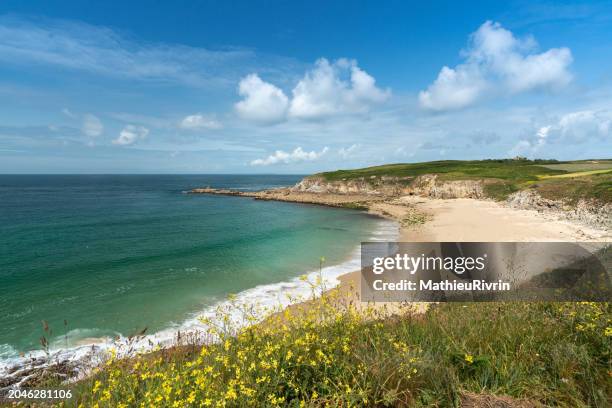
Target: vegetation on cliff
x,y
572,181
331,355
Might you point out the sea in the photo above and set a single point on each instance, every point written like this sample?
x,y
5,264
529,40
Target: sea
x,y
97,258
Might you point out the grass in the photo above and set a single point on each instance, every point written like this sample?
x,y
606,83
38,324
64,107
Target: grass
x,y
331,355
577,174
504,169
355,206
414,218
582,165
596,186
501,178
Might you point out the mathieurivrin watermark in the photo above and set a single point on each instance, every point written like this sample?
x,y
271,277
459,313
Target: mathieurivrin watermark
x,y
485,271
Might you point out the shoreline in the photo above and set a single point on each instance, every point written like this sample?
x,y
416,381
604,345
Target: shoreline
x,y
468,219
87,354
454,219
416,219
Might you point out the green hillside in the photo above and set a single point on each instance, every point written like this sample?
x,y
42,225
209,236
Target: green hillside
x,y
572,180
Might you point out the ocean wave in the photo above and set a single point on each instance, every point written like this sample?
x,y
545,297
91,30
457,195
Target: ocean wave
x,y
8,352
90,347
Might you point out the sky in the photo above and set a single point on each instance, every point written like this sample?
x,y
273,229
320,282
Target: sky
x,y
296,87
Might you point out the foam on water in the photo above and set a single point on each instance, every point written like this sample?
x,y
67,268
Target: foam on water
x,y
7,352
93,350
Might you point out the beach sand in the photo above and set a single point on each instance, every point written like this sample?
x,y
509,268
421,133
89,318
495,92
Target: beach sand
x,y
465,220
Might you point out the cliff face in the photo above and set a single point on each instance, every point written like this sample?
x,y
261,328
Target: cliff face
x,y
587,212
428,185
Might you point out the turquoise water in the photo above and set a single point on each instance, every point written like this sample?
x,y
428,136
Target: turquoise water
x,y
115,254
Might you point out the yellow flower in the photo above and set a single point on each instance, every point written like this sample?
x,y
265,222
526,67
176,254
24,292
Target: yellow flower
x,y
191,397
608,332
231,394
469,358
97,386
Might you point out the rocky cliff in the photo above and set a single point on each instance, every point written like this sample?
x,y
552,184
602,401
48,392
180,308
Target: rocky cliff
x,y
587,212
428,185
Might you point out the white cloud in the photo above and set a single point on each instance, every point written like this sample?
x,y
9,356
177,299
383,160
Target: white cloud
x,y
496,60
92,126
199,121
345,153
130,135
572,128
328,89
583,125
453,89
263,102
297,155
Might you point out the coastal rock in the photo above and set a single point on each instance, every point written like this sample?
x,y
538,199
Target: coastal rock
x,y
428,185
356,186
587,212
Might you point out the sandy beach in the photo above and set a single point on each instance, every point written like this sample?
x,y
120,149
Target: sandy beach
x,y
425,219
466,220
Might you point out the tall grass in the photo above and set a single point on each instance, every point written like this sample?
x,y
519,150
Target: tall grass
x,y
333,353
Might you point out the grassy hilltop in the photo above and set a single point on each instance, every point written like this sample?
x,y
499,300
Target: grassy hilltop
x,y
571,180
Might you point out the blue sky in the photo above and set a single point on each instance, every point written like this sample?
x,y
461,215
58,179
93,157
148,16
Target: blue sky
x,y
299,87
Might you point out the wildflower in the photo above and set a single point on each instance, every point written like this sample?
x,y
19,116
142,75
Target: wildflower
x,y
96,386
231,394
608,332
469,358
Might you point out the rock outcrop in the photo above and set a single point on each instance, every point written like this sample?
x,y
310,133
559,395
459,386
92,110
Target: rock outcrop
x,y
587,212
428,185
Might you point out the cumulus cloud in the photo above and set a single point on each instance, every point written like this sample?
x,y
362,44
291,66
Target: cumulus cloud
x,y
199,121
496,60
297,155
263,102
130,135
453,89
572,128
328,89
332,88
583,125
92,126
